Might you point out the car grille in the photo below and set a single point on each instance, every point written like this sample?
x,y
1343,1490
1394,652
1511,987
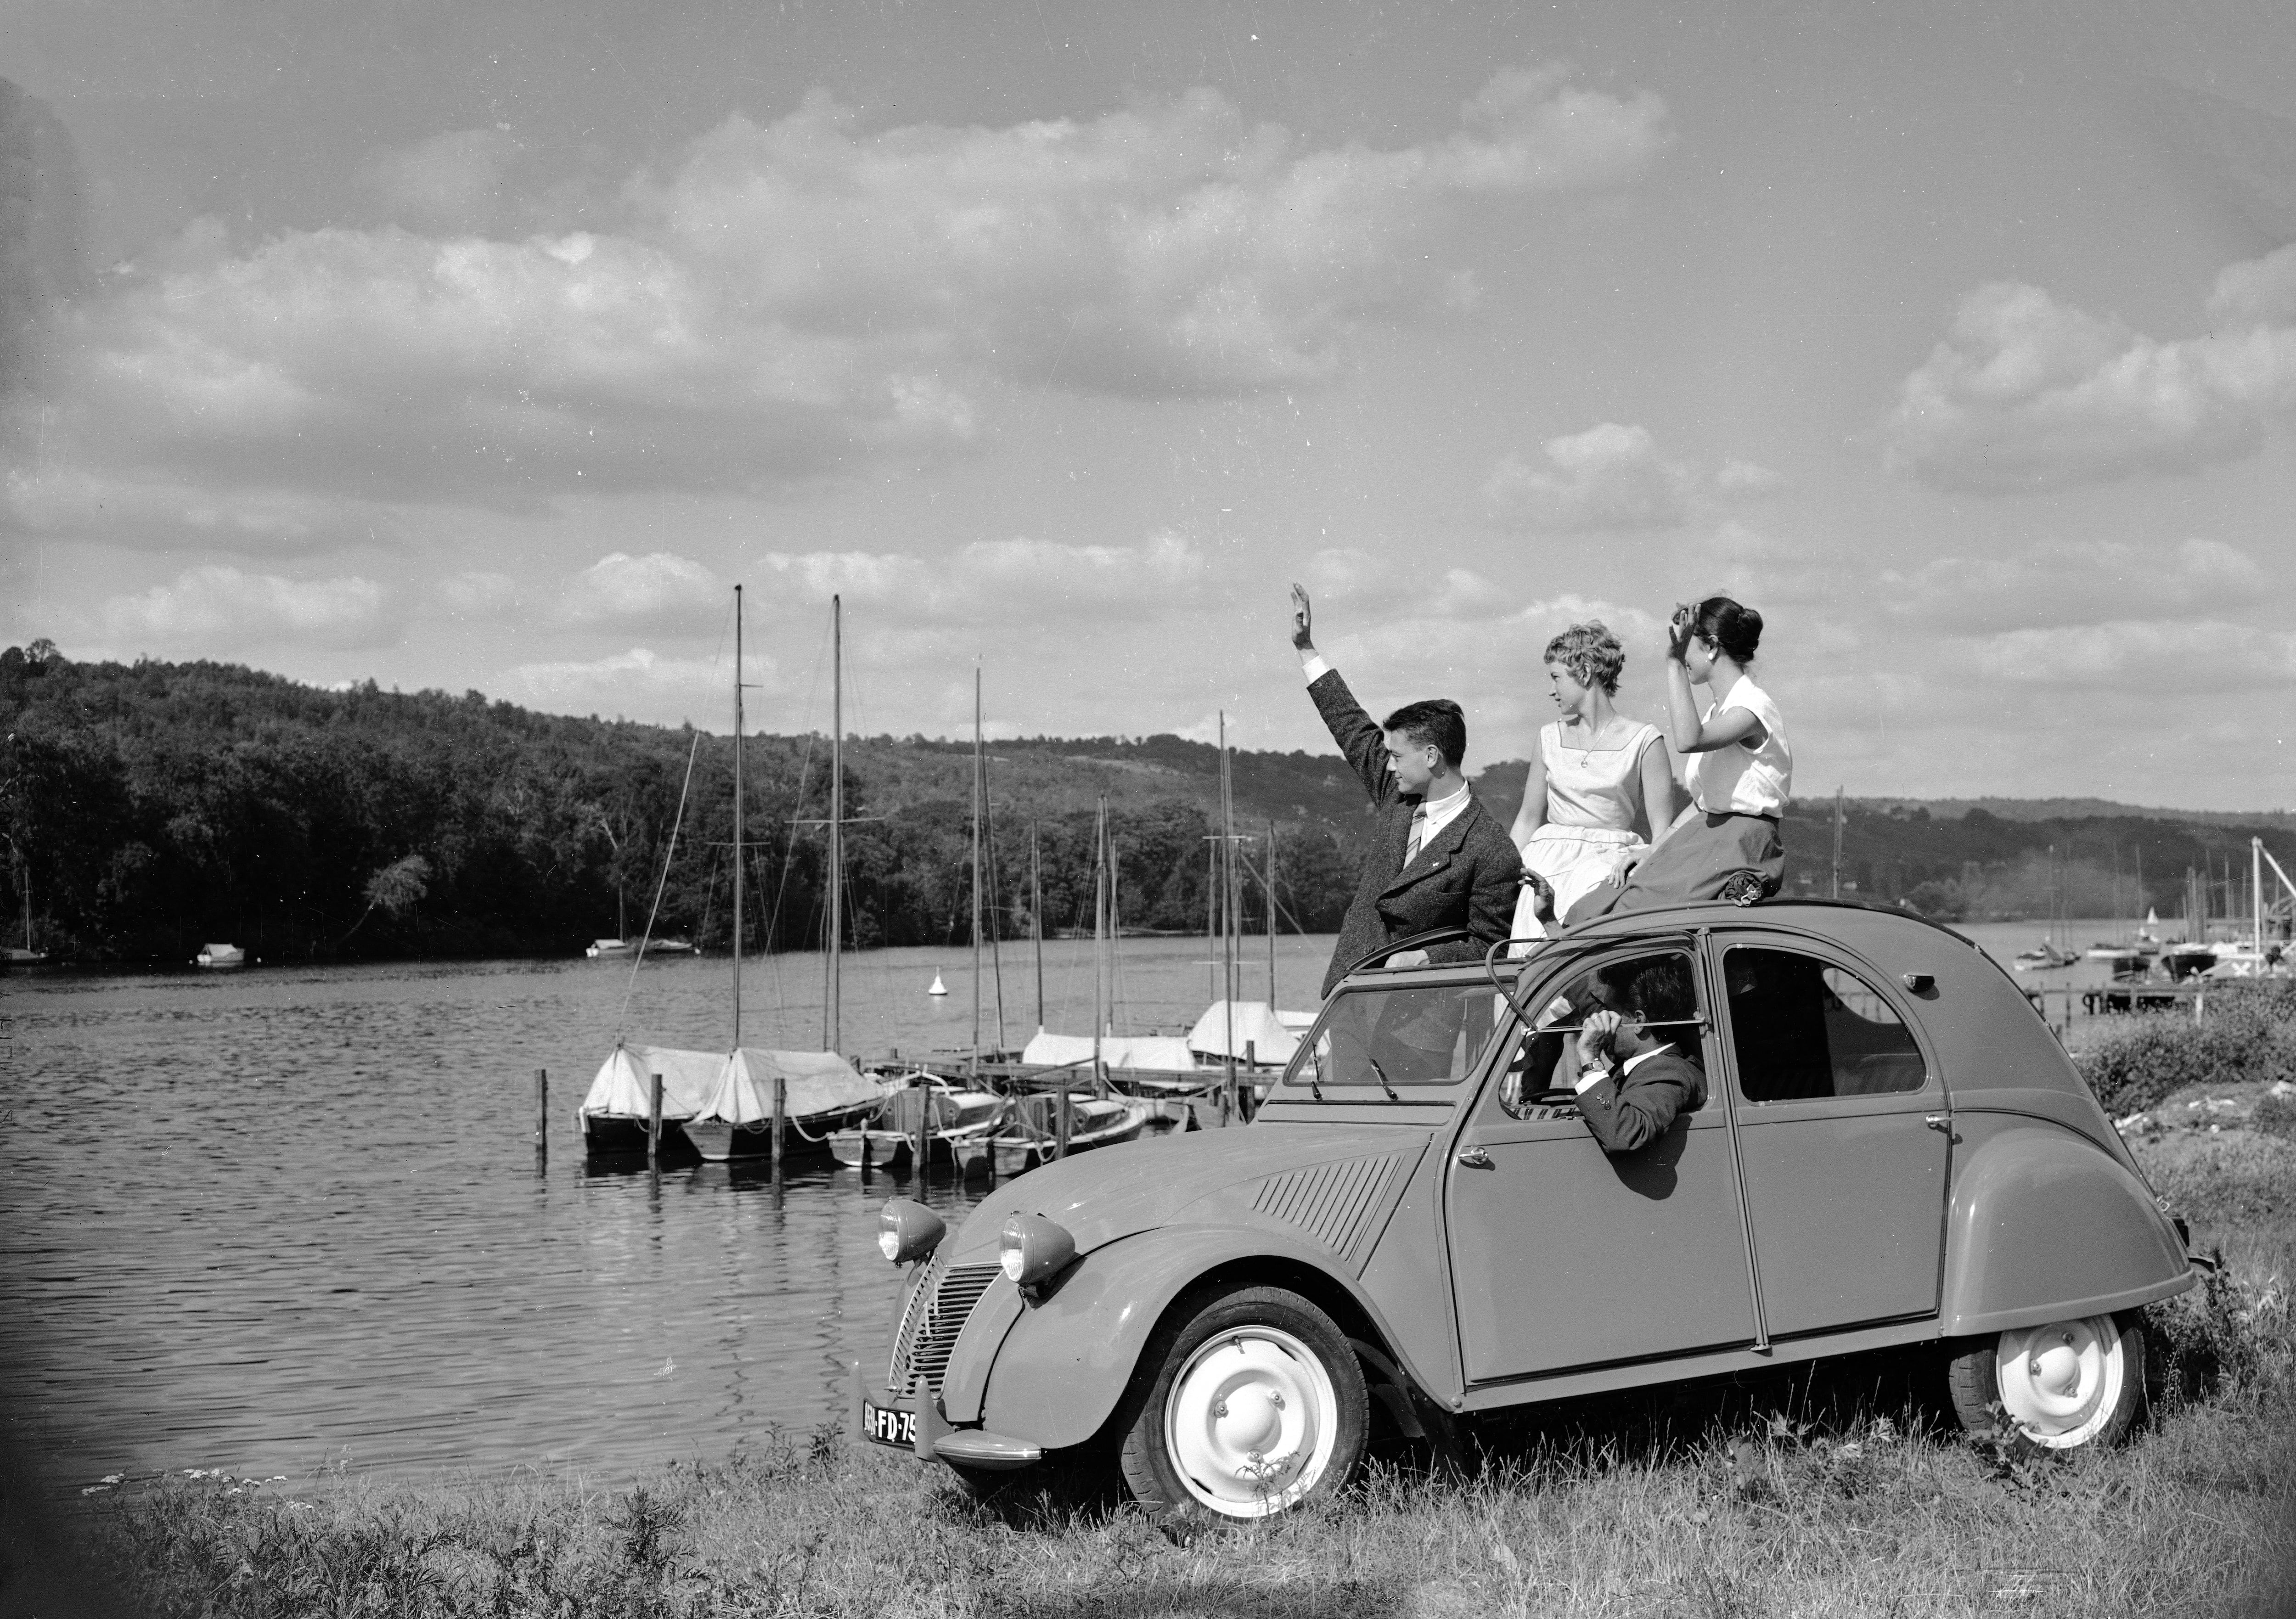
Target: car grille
x,y
935,1314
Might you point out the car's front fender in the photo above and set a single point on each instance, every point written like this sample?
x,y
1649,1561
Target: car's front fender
x,y
1064,1362
2046,1226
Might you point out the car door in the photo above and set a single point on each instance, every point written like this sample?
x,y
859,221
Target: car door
x,y
1563,1255
1839,1111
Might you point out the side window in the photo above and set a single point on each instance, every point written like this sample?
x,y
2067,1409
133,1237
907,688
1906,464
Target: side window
x,y
1657,991
1802,1027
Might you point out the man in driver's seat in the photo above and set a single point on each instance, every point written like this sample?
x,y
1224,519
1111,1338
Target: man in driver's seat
x,y
1633,1077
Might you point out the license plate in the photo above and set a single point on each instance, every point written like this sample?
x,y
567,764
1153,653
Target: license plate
x,y
884,1426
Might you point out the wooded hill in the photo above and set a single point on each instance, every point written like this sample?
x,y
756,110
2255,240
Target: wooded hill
x,y
154,806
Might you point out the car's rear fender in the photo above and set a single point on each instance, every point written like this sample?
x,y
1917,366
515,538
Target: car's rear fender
x,y
2044,1225
1064,1363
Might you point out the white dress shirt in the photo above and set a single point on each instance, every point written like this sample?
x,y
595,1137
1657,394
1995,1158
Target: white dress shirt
x,y
1595,1077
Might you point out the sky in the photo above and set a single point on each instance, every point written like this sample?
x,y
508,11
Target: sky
x,y
486,345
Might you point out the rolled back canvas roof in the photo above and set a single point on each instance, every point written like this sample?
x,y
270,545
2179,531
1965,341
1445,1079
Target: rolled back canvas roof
x,y
815,1082
623,1083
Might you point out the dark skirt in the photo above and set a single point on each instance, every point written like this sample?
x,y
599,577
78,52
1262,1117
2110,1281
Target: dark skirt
x,y
1694,862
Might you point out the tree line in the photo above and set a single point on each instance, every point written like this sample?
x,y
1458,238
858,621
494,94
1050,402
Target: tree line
x,y
151,807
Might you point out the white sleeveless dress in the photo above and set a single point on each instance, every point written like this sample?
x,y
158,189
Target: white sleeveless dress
x,y
1592,797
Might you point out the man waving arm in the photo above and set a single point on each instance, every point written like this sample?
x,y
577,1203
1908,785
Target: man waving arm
x,y
1359,736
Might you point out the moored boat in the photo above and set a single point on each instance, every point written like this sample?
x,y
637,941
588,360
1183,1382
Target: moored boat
x,y
957,1126
614,1114
822,1094
220,958
1032,1137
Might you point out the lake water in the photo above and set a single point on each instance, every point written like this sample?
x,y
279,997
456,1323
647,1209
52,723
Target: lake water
x,y
271,1220
278,1219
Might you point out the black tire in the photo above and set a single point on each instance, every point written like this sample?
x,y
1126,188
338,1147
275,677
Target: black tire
x,y
1178,1467
2084,1395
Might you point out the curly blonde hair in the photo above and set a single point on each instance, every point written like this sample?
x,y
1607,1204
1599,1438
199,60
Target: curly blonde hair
x,y
1591,653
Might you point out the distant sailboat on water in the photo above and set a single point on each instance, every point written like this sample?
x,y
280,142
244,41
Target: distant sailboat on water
x,y
939,988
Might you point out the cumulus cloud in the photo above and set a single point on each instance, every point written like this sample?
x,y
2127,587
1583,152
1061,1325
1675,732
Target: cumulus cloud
x,y
1613,476
214,609
447,183
656,588
1166,571
781,299
2084,581
2028,393
2187,655
640,682
478,592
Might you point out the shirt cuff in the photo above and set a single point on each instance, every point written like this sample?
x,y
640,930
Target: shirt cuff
x,y
1314,668
1591,1078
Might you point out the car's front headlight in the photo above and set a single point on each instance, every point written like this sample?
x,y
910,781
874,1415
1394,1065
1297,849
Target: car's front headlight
x,y
908,1230
1034,1249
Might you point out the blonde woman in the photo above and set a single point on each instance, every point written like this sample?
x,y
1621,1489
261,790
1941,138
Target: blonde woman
x,y
1599,784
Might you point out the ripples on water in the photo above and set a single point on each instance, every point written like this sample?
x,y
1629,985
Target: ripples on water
x,y
271,1220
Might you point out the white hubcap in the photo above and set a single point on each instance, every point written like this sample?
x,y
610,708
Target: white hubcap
x,y
1250,1422
2060,1383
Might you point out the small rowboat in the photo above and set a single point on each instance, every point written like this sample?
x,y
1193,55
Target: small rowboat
x,y
958,1126
1032,1137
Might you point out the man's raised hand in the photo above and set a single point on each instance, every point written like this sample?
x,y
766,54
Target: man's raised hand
x,y
1302,621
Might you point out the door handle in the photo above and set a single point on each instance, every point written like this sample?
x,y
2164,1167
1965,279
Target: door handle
x,y
1940,1121
1475,1157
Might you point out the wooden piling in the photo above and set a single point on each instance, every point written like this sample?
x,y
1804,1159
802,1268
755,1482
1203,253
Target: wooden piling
x,y
1061,1109
781,1114
542,1110
653,1122
1251,1061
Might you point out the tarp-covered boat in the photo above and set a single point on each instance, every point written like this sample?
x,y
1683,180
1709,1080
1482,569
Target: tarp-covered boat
x,y
1260,1032
822,1092
614,1113
1161,1053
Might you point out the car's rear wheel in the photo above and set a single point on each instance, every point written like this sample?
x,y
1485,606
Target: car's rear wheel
x,y
1255,1405
2068,1386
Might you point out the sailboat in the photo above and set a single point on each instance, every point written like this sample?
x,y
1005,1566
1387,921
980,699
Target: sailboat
x,y
752,1102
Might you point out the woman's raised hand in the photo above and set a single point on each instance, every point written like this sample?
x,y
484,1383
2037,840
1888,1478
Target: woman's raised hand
x,y
1679,629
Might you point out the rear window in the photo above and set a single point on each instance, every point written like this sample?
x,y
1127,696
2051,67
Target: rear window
x,y
1802,1028
1426,1035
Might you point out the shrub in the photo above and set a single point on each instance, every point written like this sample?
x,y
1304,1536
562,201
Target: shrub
x,y
2248,1034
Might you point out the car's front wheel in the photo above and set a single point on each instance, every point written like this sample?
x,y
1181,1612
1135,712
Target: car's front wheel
x,y
1256,1403
2069,1386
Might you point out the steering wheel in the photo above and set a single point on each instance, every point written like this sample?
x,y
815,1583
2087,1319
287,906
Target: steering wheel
x,y
1550,1097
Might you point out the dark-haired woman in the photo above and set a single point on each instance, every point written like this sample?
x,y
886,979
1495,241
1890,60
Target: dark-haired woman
x,y
1598,790
1724,846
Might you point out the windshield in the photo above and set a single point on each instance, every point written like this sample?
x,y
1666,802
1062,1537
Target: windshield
x,y
1390,1038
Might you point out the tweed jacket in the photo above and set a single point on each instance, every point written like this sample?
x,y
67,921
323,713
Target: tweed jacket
x,y
1465,876
1624,1113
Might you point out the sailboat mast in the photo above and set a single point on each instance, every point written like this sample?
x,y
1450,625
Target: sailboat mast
x,y
976,869
1100,996
1227,893
737,817
1036,919
1268,869
836,819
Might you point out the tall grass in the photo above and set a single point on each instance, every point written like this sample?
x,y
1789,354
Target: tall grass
x,y
1838,1492
2246,1035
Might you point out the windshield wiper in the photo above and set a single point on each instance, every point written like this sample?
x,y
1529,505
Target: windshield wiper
x,y
1384,1085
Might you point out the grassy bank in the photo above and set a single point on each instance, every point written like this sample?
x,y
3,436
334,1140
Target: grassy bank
x,y
1837,1497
